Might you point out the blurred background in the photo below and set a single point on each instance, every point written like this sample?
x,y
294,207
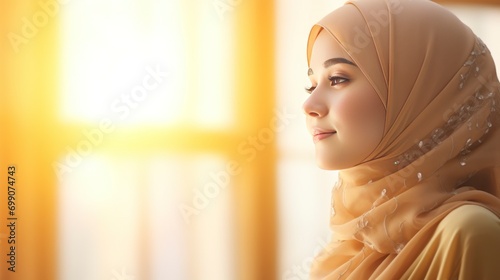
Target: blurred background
x,y
164,139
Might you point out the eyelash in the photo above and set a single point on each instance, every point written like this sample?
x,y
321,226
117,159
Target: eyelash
x,y
332,79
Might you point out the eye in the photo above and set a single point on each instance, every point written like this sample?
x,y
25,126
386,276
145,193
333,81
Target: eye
x,y
335,80
310,89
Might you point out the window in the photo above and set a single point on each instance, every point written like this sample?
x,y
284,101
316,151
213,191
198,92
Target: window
x,y
143,142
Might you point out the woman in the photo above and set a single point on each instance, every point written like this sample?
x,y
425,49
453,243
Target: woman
x,y
404,102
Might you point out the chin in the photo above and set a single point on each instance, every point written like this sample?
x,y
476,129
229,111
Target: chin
x,y
333,163
327,164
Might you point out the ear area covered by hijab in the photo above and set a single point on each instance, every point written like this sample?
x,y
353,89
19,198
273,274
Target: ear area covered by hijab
x,y
438,83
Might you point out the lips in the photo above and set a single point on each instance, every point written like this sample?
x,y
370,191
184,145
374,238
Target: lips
x,y
319,134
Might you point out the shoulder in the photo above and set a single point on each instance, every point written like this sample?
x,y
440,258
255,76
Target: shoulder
x,y
469,222
468,241
465,245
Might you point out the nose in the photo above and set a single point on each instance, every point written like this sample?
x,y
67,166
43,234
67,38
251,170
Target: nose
x,y
314,106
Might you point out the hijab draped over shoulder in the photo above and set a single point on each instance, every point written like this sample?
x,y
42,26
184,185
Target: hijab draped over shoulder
x,y
441,143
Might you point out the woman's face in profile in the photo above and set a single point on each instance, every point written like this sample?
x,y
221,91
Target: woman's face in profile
x,y
344,113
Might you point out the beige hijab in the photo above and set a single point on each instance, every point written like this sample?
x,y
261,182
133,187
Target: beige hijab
x,y
441,144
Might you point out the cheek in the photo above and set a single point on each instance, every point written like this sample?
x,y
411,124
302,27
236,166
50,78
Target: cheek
x,y
360,114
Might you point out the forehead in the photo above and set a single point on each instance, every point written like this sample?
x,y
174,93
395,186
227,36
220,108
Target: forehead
x,y
324,48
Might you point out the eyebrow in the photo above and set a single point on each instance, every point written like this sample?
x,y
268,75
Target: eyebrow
x,y
332,61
